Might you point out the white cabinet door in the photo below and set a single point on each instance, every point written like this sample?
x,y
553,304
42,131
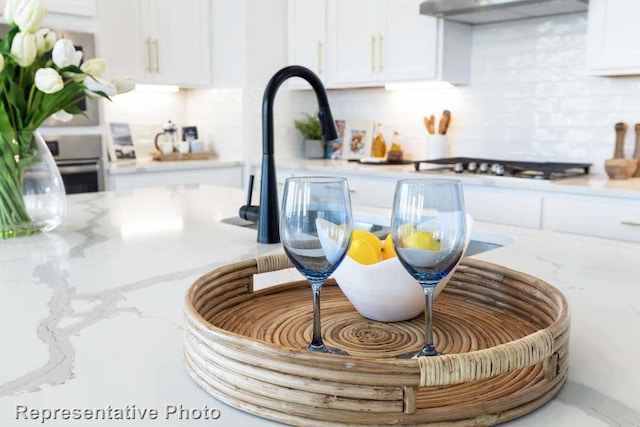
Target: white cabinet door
x,y
72,7
156,41
612,37
503,206
593,216
407,42
228,177
371,43
122,38
306,38
353,31
181,41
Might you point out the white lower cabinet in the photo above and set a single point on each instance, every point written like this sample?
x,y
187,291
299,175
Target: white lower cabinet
x,y
593,216
607,217
225,176
504,206
364,190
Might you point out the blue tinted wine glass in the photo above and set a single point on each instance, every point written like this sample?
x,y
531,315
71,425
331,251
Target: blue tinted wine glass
x,y
315,229
428,228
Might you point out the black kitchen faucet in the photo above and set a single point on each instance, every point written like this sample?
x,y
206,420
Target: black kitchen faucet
x,y
267,212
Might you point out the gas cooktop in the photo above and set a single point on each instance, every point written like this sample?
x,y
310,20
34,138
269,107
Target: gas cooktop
x,y
513,168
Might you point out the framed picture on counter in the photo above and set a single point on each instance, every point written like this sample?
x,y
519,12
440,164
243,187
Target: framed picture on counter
x,y
189,133
357,140
121,142
334,148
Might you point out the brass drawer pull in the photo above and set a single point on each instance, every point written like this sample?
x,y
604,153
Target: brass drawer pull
x,y
631,223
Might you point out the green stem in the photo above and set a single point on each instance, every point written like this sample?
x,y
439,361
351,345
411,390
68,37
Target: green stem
x,y
14,218
31,92
9,109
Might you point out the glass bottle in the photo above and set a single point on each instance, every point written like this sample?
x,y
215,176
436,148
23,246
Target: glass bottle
x,y
379,148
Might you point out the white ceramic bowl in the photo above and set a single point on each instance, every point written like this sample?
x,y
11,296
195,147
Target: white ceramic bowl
x,y
385,291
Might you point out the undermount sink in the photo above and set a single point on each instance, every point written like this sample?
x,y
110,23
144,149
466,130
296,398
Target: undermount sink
x,y
475,246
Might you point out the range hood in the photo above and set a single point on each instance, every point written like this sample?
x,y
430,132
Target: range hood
x,y
486,11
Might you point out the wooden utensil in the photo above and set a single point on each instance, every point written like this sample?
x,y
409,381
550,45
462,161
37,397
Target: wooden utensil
x,y
619,167
429,122
636,153
444,122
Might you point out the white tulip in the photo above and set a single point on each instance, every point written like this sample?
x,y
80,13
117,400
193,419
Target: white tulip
x,y
29,16
48,80
45,39
23,49
123,84
98,84
1,62
62,116
10,9
94,67
65,54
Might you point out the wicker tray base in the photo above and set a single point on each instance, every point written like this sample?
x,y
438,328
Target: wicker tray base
x,y
243,348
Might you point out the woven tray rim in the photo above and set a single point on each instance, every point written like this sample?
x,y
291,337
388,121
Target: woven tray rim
x,y
529,350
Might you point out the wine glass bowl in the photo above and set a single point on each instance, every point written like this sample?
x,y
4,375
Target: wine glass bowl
x,y
429,232
315,229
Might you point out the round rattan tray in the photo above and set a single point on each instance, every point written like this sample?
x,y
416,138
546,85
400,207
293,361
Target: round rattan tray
x,y
505,335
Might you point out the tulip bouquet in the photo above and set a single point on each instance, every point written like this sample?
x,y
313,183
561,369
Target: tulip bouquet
x,y
40,76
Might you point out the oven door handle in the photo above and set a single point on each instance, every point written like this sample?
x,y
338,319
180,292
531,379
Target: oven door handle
x,y
69,169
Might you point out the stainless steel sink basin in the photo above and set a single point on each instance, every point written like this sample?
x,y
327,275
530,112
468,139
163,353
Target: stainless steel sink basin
x,y
475,246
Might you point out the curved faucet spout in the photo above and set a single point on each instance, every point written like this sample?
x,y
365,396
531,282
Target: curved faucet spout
x,y
268,222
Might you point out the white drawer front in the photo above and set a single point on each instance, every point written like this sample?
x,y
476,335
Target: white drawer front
x,y
372,192
593,216
511,207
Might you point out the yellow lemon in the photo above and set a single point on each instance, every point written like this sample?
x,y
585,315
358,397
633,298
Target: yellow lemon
x,y
421,240
406,229
388,251
371,238
362,252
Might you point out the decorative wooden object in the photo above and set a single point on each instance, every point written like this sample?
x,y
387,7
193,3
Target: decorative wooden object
x,y
505,335
619,167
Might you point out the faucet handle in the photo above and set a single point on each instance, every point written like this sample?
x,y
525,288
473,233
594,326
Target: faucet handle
x,y
250,189
249,212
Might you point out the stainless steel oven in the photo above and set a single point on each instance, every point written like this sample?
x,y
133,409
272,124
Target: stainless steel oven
x,y
86,43
79,160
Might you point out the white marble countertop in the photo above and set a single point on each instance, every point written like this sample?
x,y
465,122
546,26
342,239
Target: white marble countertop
x,y
149,165
592,184
91,314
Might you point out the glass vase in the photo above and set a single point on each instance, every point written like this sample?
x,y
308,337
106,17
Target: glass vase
x,y
32,193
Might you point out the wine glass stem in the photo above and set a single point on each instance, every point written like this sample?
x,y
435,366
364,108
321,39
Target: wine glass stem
x,y
428,349
316,340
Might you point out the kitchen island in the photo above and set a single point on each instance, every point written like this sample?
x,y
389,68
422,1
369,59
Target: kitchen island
x,y
91,313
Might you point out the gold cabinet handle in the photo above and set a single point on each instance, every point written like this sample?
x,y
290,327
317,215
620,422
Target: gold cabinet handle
x,y
380,50
631,223
320,57
373,53
155,42
148,41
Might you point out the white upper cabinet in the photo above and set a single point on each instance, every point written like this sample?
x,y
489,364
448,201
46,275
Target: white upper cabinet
x,y
371,43
612,37
119,28
407,44
307,37
72,7
353,47
157,41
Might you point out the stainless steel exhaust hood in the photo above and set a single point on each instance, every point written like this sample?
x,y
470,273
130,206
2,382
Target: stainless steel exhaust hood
x,y
486,11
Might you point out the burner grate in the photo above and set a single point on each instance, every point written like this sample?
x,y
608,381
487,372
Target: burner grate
x,y
514,168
